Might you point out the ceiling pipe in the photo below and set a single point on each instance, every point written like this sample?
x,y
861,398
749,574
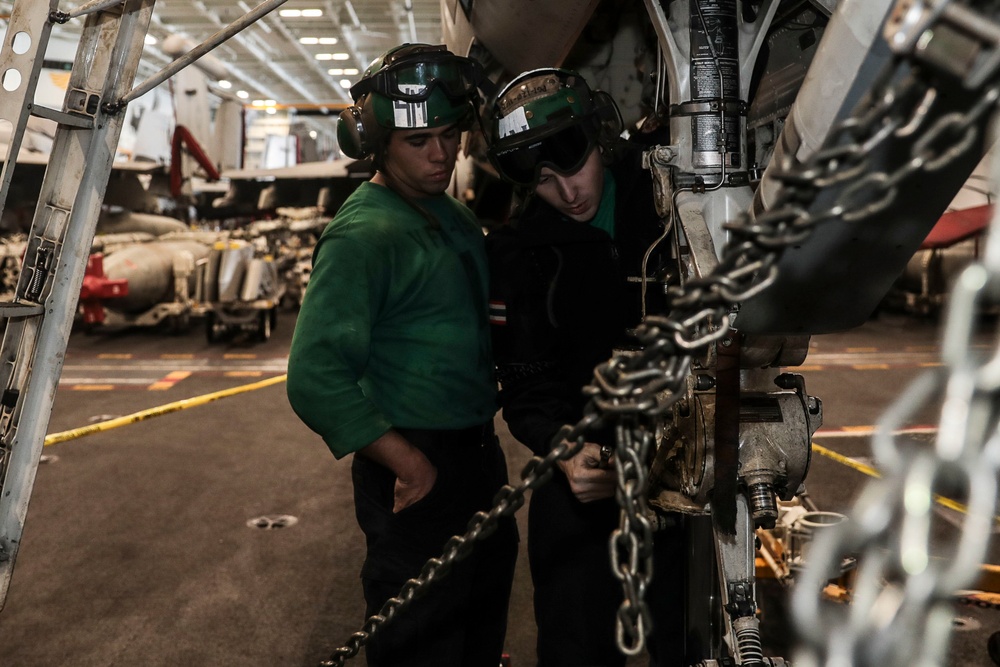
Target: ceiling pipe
x,y
304,52
346,32
276,69
408,5
235,72
232,30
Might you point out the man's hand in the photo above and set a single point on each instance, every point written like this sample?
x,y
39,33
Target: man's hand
x,y
587,479
414,483
415,474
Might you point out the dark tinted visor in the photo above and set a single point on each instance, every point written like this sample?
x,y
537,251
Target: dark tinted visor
x,y
564,151
415,81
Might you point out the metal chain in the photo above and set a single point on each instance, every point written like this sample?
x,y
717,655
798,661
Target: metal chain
x,y
904,593
634,390
649,383
507,501
905,590
631,544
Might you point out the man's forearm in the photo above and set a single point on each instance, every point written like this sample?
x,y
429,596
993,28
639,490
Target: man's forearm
x,y
415,474
394,452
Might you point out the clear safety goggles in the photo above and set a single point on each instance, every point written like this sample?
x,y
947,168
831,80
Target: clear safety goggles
x,y
564,150
415,77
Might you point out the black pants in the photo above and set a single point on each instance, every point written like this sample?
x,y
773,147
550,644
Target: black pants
x,y
577,596
462,620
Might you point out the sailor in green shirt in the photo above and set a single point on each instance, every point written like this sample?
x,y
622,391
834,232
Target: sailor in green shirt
x,y
391,361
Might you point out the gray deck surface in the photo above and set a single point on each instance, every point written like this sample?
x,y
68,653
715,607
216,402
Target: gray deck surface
x,y
137,549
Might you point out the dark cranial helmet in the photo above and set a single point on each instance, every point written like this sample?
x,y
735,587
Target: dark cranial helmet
x,y
548,118
410,86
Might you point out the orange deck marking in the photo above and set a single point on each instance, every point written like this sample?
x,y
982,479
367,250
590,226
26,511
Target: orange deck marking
x,y
169,381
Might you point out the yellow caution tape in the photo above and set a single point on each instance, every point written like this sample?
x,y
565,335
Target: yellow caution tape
x,y
871,472
850,463
143,415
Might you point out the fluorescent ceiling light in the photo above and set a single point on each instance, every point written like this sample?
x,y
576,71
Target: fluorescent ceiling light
x,y
309,40
336,71
300,13
225,84
242,94
346,83
340,56
150,39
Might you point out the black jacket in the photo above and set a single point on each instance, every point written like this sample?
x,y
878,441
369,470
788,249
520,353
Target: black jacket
x,y
561,301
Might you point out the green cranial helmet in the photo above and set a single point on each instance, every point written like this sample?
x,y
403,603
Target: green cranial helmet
x,y
548,118
535,100
409,87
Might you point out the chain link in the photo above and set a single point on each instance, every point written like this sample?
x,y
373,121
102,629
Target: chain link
x,y
634,390
507,501
905,590
897,108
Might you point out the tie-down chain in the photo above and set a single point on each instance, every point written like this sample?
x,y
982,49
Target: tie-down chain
x,y
634,391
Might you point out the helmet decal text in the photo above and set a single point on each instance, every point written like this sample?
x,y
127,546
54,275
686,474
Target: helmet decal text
x,y
514,122
410,114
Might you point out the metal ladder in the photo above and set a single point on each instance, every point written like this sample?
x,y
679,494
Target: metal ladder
x,y
39,319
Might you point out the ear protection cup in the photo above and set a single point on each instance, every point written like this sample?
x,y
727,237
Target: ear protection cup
x,y
351,133
358,134
608,115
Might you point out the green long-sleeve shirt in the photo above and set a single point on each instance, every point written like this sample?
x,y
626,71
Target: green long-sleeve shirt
x,y
393,329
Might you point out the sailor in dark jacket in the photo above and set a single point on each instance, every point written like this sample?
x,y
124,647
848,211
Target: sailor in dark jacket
x,y
566,285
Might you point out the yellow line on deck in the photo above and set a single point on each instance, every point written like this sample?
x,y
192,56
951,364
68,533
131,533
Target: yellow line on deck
x,y
143,415
872,472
